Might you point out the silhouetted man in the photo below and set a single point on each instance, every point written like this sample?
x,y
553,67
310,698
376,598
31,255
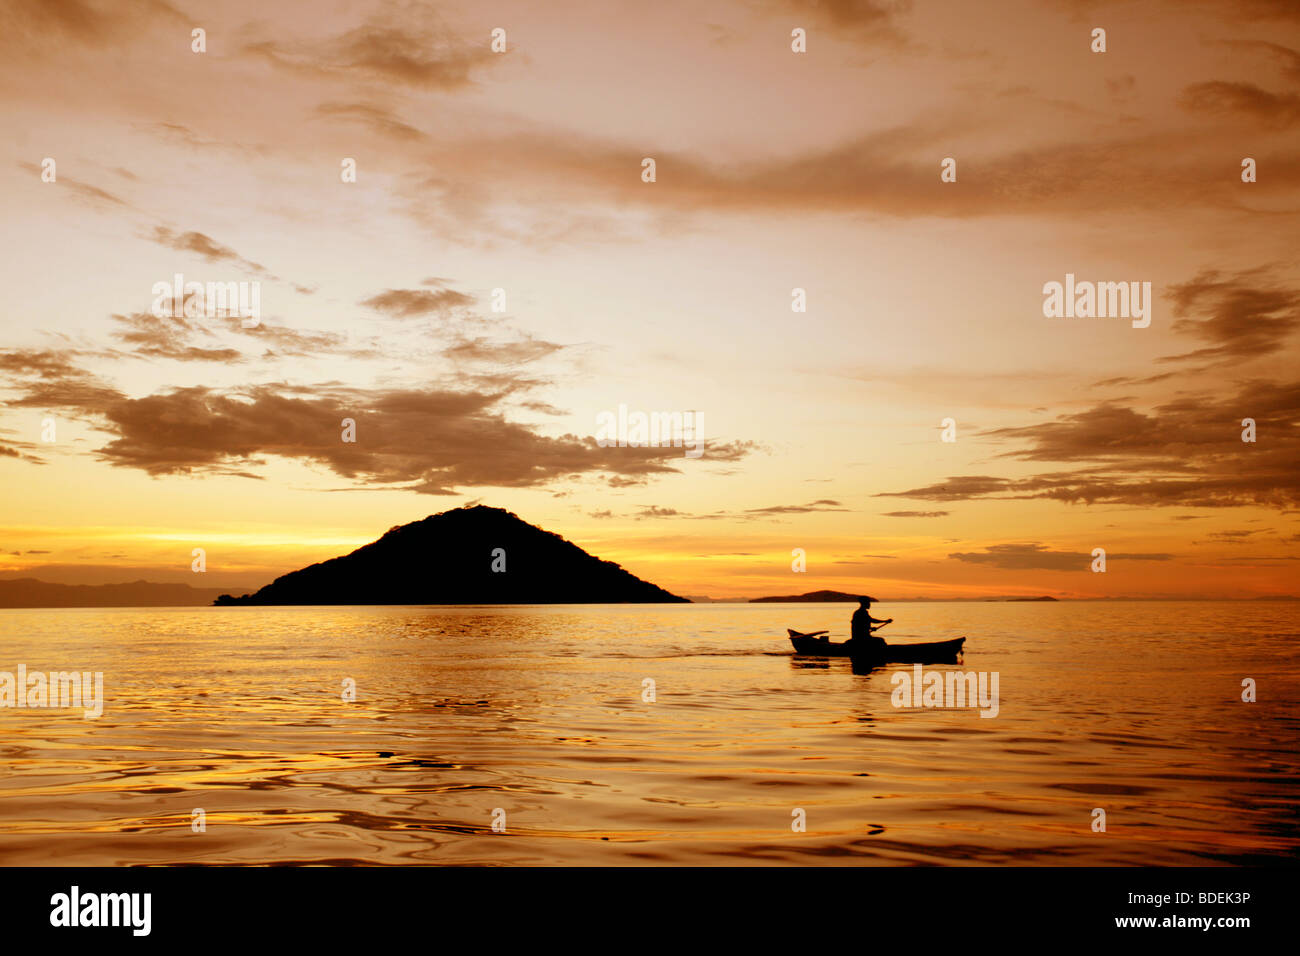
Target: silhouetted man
x,y
862,640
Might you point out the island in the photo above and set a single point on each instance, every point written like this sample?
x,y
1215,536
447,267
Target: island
x,y
813,597
470,555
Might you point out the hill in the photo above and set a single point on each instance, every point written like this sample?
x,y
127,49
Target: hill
x,y
812,597
449,558
29,592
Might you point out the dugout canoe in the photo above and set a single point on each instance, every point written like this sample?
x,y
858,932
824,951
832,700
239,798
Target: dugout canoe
x,y
933,652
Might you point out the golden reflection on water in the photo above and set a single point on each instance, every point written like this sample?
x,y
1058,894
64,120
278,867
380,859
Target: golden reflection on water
x,y
538,712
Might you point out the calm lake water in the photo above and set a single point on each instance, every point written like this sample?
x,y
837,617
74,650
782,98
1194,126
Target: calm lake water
x,y
1134,708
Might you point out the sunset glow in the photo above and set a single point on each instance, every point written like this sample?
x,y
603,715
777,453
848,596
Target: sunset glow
x,y
522,172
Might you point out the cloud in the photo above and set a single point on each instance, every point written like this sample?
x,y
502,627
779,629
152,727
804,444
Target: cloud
x,y
375,118
20,451
750,514
205,247
1187,453
543,408
654,511
284,341
46,363
871,20
1287,57
824,504
404,303
891,171
1037,557
954,488
1242,9
518,352
84,191
172,337
414,53
1235,99
430,441
88,23
915,514
168,338
1242,317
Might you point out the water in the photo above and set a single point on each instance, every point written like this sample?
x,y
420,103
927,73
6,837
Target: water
x,y
1133,708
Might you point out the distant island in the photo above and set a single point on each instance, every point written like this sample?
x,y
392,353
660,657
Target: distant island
x,y
472,555
29,592
841,597
812,597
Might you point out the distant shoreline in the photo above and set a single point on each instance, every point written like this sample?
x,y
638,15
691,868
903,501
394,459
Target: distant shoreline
x,y
696,603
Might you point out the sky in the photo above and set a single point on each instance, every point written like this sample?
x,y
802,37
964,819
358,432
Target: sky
x,y
500,273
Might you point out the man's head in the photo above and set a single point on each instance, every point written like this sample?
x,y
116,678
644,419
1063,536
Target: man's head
x,y
864,602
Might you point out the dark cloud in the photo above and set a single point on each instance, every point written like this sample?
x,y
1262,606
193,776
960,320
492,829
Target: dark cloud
x,y
1037,557
1284,55
518,352
654,511
173,337
1237,9
954,488
1242,317
429,441
1127,169
205,247
871,20
1188,451
20,451
414,53
1185,453
169,338
825,504
407,302
915,514
47,363
544,408
86,22
1243,99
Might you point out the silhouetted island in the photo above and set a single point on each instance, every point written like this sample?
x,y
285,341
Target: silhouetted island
x,y
812,597
449,558
29,592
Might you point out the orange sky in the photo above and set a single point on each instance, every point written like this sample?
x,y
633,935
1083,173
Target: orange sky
x,y
775,170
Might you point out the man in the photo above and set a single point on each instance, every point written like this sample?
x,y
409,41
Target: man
x,y
863,643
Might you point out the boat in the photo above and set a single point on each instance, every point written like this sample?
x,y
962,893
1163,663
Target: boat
x,y
816,644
